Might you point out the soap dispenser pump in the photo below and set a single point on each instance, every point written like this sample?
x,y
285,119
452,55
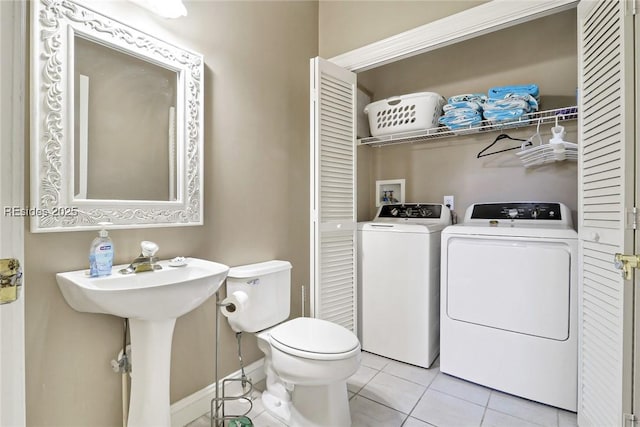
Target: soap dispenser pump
x,y
101,253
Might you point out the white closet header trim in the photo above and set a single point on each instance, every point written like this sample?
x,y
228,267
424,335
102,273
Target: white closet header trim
x,y
470,23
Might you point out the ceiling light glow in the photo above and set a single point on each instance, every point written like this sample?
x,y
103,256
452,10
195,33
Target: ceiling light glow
x,y
164,8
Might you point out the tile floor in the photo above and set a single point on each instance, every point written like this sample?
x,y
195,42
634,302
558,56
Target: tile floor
x,y
386,393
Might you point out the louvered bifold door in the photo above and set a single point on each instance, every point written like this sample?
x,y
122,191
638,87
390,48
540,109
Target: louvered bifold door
x,y
333,196
606,192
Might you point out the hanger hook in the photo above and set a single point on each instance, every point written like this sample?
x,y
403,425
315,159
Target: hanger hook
x,y
556,120
538,127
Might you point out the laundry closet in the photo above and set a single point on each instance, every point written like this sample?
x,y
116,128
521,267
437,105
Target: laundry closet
x,y
586,59
343,177
476,166
542,51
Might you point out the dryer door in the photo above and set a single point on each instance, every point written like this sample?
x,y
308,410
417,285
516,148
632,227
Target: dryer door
x,y
514,284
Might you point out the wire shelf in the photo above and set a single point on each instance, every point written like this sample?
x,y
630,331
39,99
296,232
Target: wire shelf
x,y
531,119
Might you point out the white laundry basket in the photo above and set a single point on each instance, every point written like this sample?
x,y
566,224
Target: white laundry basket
x,y
405,113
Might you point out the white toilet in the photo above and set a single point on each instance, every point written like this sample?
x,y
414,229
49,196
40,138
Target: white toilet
x,y
307,361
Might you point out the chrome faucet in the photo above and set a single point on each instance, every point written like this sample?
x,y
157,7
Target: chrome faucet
x,y
146,261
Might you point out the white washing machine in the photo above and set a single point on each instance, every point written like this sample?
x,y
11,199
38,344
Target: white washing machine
x,y
509,300
399,281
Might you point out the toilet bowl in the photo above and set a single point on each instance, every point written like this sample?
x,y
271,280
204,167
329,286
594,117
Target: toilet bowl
x,y
315,357
307,361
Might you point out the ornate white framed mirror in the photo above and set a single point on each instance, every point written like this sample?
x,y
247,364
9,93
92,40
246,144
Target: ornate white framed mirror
x,y
116,124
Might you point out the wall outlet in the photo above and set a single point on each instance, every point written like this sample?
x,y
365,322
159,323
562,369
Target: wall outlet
x,y
448,201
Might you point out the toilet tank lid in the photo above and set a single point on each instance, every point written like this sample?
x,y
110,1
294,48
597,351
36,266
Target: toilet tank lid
x,y
258,269
315,336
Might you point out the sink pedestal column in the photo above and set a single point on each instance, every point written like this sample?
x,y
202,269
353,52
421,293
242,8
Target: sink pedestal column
x,y
150,371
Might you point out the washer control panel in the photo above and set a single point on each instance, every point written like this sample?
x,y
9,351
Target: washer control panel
x,y
518,211
410,211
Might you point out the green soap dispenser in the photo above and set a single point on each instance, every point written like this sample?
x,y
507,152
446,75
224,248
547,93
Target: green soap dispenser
x,y
101,253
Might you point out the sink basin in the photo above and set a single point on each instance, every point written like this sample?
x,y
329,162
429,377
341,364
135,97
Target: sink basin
x,y
152,301
160,294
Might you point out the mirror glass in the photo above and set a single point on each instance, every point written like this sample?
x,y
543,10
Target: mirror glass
x,y
117,124
125,135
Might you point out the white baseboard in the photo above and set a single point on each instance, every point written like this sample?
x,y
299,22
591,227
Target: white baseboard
x,y
199,403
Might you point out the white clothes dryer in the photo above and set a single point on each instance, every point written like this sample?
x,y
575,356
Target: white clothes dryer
x,y
509,284
399,281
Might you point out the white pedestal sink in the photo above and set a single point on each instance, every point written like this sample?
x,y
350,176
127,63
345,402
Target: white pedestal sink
x,y
152,301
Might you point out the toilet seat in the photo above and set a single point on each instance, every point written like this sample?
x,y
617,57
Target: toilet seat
x,y
316,339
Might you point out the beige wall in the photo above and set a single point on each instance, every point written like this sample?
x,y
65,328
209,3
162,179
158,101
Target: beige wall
x,y
256,199
350,24
542,52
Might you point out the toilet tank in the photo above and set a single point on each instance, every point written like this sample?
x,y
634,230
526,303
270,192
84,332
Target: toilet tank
x,y
267,286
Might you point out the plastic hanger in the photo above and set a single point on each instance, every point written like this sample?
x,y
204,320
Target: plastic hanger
x,y
535,142
556,150
500,138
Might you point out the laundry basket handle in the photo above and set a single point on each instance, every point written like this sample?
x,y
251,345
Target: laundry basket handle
x,y
394,100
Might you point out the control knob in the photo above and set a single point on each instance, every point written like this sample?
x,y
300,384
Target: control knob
x,y
535,212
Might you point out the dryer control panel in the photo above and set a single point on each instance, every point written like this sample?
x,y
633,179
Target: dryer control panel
x,y
518,211
410,211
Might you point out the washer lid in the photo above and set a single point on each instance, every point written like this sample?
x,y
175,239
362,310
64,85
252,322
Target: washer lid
x,y
314,336
400,226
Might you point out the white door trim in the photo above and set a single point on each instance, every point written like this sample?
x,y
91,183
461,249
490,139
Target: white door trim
x,y
635,409
12,140
484,19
